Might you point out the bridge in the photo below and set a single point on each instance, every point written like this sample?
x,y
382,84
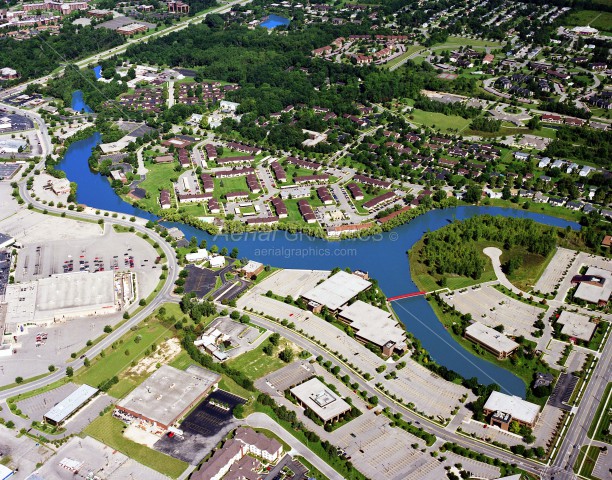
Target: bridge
x,y
406,295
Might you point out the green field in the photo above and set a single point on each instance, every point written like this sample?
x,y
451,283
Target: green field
x,y
256,364
545,208
230,185
603,413
589,463
116,360
158,177
600,20
524,277
293,212
409,51
439,121
109,431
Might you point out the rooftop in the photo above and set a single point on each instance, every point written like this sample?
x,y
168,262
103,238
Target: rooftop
x,y
71,403
576,325
165,395
372,323
337,290
320,399
595,293
490,337
515,406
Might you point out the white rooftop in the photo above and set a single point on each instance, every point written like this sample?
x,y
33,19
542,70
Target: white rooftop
x,y
490,337
71,403
372,323
252,266
515,406
320,399
337,290
595,293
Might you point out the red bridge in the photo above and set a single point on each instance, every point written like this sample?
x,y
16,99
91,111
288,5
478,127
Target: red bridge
x,y
406,295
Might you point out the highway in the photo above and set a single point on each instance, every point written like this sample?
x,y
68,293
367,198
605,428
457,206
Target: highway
x,y
93,59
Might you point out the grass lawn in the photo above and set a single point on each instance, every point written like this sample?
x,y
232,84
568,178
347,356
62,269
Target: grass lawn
x,y
255,364
228,185
438,121
293,171
312,471
589,463
530,271
116,360
599,20
109,431
545,208
603,413
158,177
506,131
474,42
409,51
293,212
428,282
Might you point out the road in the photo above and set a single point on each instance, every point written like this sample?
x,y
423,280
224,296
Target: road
x,y
165,295
261,420
384,401
93,59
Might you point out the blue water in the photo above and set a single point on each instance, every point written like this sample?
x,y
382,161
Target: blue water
x,y
78,103
274,21
97,71
383,256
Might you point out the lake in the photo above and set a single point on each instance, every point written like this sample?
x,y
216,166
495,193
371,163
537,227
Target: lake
x,y
383,256
78,103
273,21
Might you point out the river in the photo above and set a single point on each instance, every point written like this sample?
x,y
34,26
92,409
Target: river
x,y
383,256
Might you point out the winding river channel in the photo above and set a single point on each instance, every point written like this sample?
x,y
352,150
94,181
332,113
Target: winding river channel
x,y
383,256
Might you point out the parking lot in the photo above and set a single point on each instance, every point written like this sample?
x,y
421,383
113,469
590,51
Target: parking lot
x,y
554,351
203,428
24,453
33,357
13,122
547,425
563,391
415,383
492,308
582,259
294,282
201,281
95,457
287,377
555,270
603,466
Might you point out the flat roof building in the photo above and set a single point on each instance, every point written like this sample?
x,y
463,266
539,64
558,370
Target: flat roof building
x,y
252,269
316,396
168,394
523,412
374,325
6,241
576,325
492,340
597,289
69,405
61,297
337,290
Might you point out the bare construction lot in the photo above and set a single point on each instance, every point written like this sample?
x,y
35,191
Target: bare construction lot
x,y
22,452
429,393
491,307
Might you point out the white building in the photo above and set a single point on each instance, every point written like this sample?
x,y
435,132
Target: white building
x,y
201,255
217,262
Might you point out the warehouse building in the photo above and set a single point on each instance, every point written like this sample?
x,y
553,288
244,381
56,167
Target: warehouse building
x,y
167,395
69,405
316,396
336,291
503,409
493,341
374,325
61,297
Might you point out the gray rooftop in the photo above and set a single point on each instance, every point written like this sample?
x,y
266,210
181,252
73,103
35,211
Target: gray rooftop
x,y
320,399
576,325
165,395
372,323
71,404
491,338
337,290
515,406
